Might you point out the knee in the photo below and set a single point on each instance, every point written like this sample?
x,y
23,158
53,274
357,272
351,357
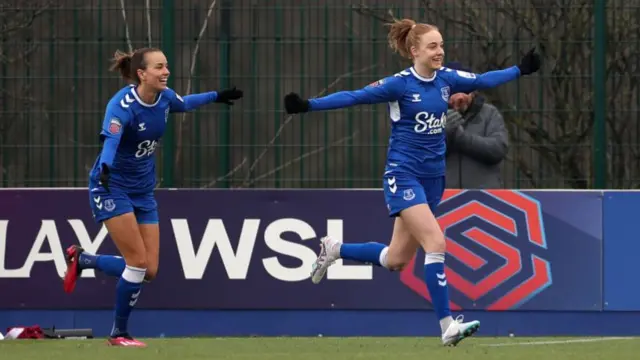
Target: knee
x,y
433,242
137,261
437,245
151,274
397,265
397,262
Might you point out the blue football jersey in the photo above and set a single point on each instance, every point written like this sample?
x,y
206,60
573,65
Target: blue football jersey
x,y
417,110
131,131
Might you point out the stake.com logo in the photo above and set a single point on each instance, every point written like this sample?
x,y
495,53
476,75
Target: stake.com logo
x,y
495,247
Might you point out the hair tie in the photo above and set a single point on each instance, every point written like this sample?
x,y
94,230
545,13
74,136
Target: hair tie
x,y
412,26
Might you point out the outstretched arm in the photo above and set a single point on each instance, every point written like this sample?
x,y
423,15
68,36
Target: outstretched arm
x,y
193,101
385,90
465,82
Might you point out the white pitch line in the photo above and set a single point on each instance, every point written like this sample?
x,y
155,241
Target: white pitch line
x,y
572,341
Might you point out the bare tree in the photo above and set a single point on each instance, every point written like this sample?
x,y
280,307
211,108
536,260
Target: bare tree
x,y
16,48
554,118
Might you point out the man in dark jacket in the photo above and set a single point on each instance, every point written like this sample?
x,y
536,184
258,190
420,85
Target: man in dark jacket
x,y
477,141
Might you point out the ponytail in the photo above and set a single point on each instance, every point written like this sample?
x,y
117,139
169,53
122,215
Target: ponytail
x,y
405,33
122,64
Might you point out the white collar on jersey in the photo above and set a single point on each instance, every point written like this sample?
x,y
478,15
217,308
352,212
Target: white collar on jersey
x,y
135,95
422,78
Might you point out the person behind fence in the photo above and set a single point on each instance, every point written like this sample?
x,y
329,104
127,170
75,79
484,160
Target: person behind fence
x,y
122,180
414,176
477,141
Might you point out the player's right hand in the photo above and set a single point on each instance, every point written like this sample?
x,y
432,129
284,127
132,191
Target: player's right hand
x,y
294,104
104,176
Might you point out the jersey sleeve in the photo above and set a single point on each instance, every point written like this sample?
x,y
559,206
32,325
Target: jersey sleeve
x,y
385,90
466,82
116,119
180,104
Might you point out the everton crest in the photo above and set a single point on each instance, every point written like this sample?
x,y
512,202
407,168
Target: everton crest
x,y
445,92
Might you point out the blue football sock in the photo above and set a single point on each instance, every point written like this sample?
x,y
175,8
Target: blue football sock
x,y
127,293
436,281
366,253
108,264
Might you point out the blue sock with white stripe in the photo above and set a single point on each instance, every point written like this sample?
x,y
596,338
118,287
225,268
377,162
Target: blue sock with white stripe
x,y
370,253
127,293
436,281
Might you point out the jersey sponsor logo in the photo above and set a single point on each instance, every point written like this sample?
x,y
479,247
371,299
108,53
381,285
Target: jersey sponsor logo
x,y
465,74
499,232
115,126
427,122
146,148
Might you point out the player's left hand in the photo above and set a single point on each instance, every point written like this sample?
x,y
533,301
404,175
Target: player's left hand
x,y
530,62
225,96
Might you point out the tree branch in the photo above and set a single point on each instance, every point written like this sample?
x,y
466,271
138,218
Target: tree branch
x,y
290,117
300,158
227,175
126,25
194,57
147,7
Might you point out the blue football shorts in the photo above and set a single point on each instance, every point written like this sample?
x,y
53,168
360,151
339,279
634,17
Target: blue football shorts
x,y
402,191
106,205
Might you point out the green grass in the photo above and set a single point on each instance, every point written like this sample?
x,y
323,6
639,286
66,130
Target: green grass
x,y
322,349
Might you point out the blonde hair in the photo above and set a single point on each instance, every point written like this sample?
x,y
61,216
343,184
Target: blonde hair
x,y
405,33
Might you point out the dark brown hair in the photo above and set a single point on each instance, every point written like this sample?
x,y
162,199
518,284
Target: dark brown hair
x,y
128,64
406,33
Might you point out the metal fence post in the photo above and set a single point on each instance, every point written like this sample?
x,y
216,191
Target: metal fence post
x,y
168,47
600,94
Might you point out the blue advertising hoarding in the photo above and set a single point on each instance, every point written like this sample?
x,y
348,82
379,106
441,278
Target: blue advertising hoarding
x,y
621,251
252,249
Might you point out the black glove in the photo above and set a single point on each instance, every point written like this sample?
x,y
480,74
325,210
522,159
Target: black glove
x,y
104,176
225,96
294,104
530,63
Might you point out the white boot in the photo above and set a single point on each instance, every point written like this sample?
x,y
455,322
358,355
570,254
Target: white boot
x,y
458,330
329,253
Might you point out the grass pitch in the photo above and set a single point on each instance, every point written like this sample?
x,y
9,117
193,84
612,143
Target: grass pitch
x,y
284,348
